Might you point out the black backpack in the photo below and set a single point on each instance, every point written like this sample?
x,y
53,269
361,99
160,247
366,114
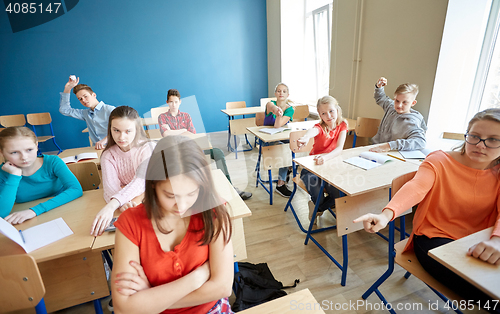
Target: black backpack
x,y
255,284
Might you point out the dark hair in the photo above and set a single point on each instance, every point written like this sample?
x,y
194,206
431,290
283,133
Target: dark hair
x,y
80,87
131,114
173,92
175,155
15,131
492,114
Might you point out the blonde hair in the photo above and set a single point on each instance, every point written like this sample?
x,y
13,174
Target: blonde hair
x,y
492,114
288,101
329,100
15,131
407,88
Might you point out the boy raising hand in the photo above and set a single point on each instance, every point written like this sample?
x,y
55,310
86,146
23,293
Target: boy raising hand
x,y
96,115
401,128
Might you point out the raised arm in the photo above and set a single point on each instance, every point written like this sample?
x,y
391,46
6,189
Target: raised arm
x,y
64,104
381,98
149,300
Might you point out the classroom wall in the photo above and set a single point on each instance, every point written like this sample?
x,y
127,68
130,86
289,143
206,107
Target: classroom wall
x,y
132,52
398,39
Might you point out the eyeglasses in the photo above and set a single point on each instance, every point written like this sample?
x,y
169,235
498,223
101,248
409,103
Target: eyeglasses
x,y
488,142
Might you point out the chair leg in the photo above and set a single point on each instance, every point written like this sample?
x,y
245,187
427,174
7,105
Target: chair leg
x,y
98,306
40,307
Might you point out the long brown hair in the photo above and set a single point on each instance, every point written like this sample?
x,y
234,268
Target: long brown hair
x,y
131,114
492,114
15,131
175,155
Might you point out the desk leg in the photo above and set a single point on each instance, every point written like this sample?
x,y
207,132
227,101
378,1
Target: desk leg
x,y
388,272
229,148
257,168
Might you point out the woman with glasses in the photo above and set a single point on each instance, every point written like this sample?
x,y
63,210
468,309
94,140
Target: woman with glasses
x,y
458,194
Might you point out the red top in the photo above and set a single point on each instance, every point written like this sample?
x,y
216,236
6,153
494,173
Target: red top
x,y
455,200
181,121
162,267
323,144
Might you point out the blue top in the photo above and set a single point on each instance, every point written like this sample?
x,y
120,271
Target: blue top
x,y
52,179
97,119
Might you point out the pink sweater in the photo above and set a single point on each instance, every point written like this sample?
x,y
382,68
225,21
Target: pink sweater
x,y
119,172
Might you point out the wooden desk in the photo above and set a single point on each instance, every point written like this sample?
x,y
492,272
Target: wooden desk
x,y
366,191
75,151
298,302
200,138
481,274
238,210
241,111
71,272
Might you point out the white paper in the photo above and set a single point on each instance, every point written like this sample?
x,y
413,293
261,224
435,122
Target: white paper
x,y
10,232
37,236
77,158
273,130
412,154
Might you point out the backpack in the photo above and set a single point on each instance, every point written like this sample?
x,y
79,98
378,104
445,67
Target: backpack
x,y
255,284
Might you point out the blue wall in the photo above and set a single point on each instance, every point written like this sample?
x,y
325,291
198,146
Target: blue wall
x,y
132,52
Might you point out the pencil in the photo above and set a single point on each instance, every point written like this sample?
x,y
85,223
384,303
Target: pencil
x,y
396,157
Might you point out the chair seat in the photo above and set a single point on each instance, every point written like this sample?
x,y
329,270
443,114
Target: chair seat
x,y
408,260
299,182
42,139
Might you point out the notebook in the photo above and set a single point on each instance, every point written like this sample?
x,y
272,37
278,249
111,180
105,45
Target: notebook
x,y
274,130
368,160
79,157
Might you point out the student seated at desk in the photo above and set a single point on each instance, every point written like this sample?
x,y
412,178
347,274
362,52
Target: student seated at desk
x,y
173,253
329,138
174,119
24,177
458,194
401,128
96,115
122,160
278,113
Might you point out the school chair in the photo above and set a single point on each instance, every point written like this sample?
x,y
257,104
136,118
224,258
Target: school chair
x,y
38,119
155,112
240,125
87,174
13,120
21,284
408,260
297,182
454,136
365,127
274,157
301,112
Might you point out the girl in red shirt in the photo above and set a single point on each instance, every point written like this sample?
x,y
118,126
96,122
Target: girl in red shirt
x,y
173,253
329,137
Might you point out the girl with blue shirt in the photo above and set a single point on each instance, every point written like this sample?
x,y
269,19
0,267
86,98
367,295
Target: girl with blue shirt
x,y
24,177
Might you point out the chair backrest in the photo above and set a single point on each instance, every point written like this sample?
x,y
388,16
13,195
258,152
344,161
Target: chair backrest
x,y
22,285
453,136
259,118
301,113
87,174
154,134
397,183
276,156
39,118
366,127
294,136
155,112
239,126
13,120
264,101
236,104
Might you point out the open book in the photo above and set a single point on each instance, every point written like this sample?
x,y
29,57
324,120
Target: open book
x,y
368,160
274,130
38,236
79,157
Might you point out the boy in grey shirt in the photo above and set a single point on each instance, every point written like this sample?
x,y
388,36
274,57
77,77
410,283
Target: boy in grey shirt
x,y
401,128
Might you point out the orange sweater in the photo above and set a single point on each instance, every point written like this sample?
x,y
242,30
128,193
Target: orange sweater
x,y
455,200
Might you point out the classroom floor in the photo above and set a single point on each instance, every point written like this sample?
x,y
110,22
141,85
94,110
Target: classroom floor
x,y
272,236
